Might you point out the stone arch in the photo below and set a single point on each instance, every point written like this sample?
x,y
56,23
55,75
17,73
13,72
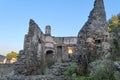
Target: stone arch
x,y
49,57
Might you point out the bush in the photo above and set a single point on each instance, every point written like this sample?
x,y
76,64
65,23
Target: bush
x,y
71,73
102,70
80,78
118,59
70,70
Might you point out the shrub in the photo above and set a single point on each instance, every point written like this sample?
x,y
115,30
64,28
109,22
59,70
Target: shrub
x,y
102,70
70,70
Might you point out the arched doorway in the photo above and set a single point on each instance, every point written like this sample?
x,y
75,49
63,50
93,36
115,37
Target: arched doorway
x,y
49,58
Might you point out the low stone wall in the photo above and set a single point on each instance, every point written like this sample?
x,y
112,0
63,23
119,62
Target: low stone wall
x,y
7,73
32,77
6,69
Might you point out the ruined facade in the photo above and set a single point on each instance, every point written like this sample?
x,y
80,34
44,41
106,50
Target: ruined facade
x,y
93,38
42,50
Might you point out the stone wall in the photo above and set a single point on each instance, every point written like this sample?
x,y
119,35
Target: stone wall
x,y
32,77
94,33
31,58
93,38
62,44
41,50
6,69
65,40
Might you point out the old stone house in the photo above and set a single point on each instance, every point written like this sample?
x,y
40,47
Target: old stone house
x,y
56,48
42,49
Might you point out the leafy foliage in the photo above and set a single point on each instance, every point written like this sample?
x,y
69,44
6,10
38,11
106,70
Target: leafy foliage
x,y
114,24
11,55
114,45
99,70
70,70
102,70
114,29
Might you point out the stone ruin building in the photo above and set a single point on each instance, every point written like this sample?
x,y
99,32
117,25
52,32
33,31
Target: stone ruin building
x,y
93,38
43,49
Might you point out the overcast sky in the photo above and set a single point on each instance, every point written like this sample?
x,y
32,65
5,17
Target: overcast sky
x,y
66,18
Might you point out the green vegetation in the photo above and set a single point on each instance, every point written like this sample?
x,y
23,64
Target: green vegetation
x,y
114,24
11,55
98,70
102,70
114,48
114,29
71,70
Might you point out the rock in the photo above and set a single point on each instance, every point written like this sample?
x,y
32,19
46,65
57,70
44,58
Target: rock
x,y
74,75
108,56
35,77
119,35
58,69
117,65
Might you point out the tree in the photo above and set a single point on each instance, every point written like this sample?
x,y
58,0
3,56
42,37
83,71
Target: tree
x,y
118,16
114,24
114,28
114,21
11,55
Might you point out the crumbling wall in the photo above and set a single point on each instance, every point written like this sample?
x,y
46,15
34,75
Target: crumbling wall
x,y
41,49
31,59
62,44
93,37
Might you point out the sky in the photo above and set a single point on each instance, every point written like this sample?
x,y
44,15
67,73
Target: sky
x,y
66,18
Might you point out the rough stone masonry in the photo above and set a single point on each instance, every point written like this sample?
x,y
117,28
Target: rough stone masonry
x,y
93,37
41,49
